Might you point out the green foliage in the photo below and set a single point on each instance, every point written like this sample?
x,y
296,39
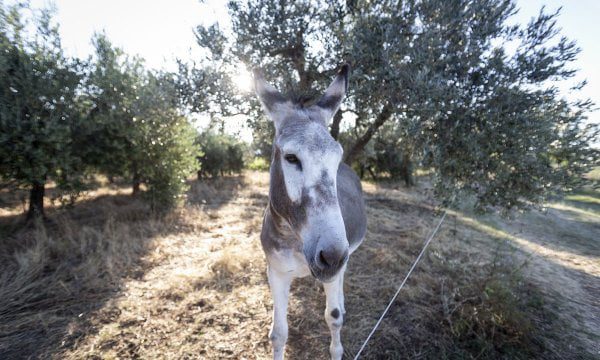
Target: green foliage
x,y
123,121
40,113
114,82
433,79
163,155
490,124
220,154
259,164
594,177
388,155
139,132
397,163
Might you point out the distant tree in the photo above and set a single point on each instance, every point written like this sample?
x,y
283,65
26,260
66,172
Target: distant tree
x,y
489,122
163,154
235,157
113,87
220,154
40,114
138,130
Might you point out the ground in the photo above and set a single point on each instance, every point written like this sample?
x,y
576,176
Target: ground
x,y
108,280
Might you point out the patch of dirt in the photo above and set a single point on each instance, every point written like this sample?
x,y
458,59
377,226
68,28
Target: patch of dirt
x,y
563,248
206,295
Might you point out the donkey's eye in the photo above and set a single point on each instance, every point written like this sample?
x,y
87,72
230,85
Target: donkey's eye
x,y
292,159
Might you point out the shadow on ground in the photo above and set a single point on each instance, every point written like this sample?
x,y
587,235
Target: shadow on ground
x,y
202,292
467,278
214,193
54,275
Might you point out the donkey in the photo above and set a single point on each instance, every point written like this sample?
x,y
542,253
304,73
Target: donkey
x,y
316,214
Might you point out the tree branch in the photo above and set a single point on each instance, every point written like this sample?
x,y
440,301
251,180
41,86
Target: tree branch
x,y
360,144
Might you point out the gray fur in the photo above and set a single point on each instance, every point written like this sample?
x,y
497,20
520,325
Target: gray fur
x,y
279,217
352,205
283,217
316,213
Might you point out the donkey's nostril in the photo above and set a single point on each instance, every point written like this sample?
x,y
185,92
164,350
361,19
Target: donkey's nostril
x,y
331,259
323,259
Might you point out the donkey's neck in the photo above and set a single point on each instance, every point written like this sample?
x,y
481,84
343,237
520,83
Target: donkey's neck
x,y
277,232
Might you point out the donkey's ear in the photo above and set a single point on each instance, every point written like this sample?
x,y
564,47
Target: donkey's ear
x,y
332,99
269,97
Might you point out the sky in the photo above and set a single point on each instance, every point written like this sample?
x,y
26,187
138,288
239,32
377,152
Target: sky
x,y
578,21
162,30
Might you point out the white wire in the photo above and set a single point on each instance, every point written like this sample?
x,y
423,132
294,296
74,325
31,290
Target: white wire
x,y
401,285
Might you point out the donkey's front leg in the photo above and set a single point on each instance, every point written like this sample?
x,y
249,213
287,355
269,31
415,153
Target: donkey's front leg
x,y
280,290
334,313
341,292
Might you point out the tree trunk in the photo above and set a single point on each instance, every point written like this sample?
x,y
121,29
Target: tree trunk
x,y
360,144
406,172
135,181
335,124
370,169
136,187
36,201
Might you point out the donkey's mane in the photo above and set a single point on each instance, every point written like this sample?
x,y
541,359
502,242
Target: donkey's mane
x,y
303,99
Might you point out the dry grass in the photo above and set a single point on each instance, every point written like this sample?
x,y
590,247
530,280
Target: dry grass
x,y
109,280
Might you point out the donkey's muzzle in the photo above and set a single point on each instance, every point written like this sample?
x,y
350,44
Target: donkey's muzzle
x,y
327,262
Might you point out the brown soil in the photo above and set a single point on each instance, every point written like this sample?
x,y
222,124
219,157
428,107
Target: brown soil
x,y
200,290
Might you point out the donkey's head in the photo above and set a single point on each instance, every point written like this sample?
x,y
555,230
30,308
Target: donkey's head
x,y
303,193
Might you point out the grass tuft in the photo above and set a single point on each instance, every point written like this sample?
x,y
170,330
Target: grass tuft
x,y
107,279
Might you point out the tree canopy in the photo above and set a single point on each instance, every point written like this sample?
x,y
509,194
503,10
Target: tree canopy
x,y
139,132
453,86
62,118
39,110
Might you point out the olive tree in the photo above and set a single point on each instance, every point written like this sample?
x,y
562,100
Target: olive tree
x,y
40,114
138,130
113,85
163,155
220,154
488,121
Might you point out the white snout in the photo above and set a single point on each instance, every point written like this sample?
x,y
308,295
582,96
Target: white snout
x,y
325,246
